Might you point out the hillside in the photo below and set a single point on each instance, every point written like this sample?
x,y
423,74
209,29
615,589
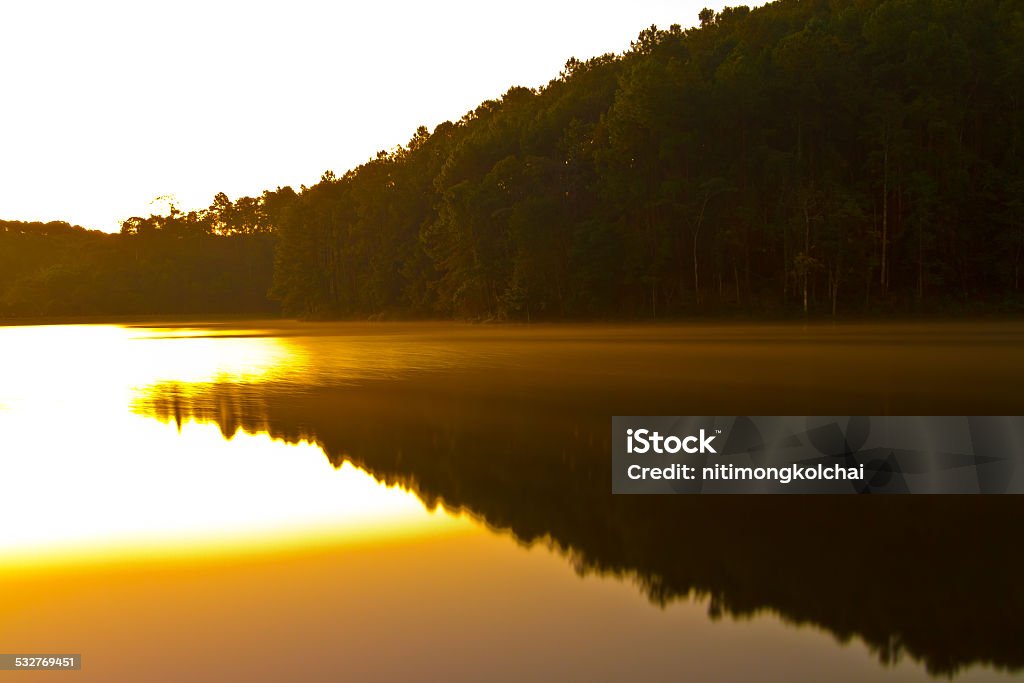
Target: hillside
x,y
807,157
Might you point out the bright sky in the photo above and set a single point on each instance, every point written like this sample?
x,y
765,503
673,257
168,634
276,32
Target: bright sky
x,y
105,105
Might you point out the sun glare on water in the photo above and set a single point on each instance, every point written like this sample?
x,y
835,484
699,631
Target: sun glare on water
x,y
85,477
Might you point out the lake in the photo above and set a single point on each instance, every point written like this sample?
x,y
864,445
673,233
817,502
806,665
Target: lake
x,y
273,500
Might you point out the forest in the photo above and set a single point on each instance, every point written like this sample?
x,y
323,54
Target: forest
x,y
808,157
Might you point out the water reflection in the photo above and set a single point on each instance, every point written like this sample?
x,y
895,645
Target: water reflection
x,y
519,439
86,478
509,427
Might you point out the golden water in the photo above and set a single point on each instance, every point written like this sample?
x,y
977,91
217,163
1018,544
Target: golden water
x,y
268,501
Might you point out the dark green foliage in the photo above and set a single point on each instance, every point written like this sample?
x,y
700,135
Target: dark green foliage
x,y
182,263
814,157
811,157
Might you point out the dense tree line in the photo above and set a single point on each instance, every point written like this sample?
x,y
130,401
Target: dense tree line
x,y
811,156
175,264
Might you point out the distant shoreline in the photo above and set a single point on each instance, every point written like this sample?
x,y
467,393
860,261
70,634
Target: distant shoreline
x,y
725,320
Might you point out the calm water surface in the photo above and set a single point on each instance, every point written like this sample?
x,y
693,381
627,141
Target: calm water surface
x,y
267,500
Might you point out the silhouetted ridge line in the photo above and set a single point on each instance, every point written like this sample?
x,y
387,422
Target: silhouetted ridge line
x,y
806,157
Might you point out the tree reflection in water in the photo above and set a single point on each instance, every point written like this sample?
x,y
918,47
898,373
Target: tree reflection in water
x,y
935,578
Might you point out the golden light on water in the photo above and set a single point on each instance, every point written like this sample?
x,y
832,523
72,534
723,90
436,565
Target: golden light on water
x,y
89,370
86,477
138,534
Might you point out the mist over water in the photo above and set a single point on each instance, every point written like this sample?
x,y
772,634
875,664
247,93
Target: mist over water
x,y
398,501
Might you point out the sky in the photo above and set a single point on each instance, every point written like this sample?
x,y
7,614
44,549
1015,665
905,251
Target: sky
x,y
106,106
